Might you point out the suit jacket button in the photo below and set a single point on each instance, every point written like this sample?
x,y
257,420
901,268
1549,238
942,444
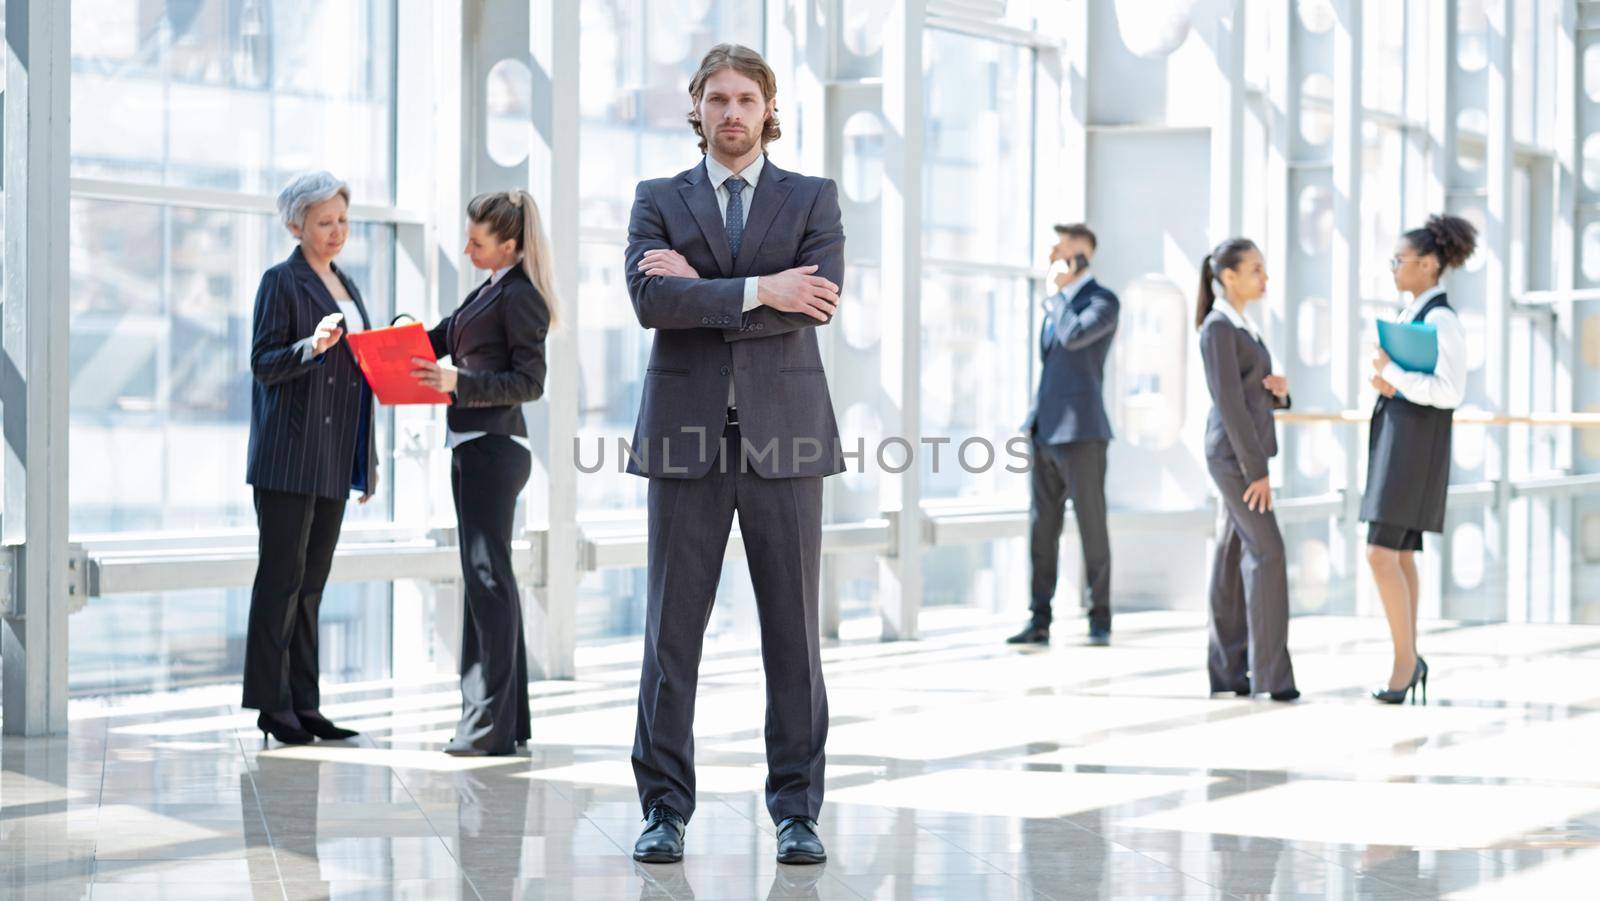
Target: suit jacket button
x,y
330,379
327,420
705,320
760,326
724,370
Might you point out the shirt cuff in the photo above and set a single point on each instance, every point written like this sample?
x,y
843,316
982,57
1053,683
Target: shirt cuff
x,y
1393,374
307,349
750,299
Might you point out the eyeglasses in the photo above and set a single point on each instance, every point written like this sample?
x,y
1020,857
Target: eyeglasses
x,y
1396,262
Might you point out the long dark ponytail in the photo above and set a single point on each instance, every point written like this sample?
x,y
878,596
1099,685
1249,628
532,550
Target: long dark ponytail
x,y
1228,255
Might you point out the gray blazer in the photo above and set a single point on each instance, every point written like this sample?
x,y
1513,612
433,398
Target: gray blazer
x,y
1240,429
703,339
1070,405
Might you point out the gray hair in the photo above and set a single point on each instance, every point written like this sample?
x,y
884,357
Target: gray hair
x,y
307,191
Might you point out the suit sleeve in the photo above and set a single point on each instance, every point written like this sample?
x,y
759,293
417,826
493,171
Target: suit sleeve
x,y
275,354
1098,320
1221,360
526,319
664,302
439,337
822,246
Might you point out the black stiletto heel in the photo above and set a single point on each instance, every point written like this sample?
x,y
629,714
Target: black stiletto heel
x,y
1388,695
283,732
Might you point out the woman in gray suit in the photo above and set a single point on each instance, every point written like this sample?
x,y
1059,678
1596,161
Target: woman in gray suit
x,y
1249,579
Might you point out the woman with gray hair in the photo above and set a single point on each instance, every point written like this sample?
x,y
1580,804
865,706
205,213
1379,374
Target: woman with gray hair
x,y
311,444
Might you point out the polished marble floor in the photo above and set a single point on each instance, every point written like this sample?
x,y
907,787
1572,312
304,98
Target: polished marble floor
x,y
958,768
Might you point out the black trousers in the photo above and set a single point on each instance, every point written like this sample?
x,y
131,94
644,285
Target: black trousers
x,y
1076,470
298,533
486,475
689,522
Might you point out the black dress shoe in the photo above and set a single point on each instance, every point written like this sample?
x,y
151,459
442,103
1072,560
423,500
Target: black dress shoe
x,y
1033,634
798,842
314,722
1099,636
1292,694
282,727
662,838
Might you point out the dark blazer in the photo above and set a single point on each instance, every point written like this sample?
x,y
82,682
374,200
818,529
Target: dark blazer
x,y
1240,430
496,341
305,416
703,339
1070,405
1408,458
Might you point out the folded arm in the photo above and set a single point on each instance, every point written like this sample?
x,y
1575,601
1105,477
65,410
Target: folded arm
x,y
665,302
822,246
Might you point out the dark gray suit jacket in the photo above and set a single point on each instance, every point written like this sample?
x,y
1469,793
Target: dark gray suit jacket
x,y
1240,430
306,418
1070,405
703,339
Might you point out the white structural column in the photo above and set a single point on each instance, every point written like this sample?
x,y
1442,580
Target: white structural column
x,y
1349,364
1563,262
900,573
1227,131
1496,247
554,171
34,373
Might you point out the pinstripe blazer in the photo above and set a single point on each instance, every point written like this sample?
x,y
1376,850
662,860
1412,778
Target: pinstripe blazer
x,y
305,416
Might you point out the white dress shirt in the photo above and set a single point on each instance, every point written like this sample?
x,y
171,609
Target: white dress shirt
x,y
719,174
1445,387
1056,304
454,439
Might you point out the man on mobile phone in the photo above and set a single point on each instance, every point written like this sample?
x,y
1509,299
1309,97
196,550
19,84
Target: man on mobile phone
x,y
1069,432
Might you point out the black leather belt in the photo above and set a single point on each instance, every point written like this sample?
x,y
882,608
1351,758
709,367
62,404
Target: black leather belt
x,y
733,416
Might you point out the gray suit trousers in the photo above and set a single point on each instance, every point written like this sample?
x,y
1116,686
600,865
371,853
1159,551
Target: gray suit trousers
x,y
1249,595
781,524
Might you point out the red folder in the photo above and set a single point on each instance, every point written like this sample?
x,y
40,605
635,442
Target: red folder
x,y
384,355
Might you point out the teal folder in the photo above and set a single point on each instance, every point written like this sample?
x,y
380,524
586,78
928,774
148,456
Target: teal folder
x,y
1413,346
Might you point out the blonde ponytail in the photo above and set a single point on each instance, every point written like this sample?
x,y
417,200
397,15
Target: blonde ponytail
x,y
513,215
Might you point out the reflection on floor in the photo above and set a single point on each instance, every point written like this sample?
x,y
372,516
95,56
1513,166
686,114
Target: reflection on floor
x,y
958,768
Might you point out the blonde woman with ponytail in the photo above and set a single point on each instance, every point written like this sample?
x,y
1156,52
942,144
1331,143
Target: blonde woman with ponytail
x,y
495,342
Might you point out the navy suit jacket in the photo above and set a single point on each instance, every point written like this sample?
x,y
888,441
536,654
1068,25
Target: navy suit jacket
x,y
703,338
1070,405
305,417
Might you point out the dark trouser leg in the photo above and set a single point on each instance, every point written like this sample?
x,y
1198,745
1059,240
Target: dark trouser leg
x,y
1229,658
1086,482
326,519
781,522
689,522
284,522
1264,572
487,474
1046,510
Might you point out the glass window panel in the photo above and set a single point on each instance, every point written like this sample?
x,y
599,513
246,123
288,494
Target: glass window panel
x,y
162,299
1383,56
181,639
638,57
978,149
976,346
234,95
1382,153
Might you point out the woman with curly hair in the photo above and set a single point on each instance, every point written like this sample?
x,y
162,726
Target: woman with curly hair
x,y
1408,453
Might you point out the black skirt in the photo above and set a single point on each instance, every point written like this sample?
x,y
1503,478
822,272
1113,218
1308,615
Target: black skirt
x,y
1408,465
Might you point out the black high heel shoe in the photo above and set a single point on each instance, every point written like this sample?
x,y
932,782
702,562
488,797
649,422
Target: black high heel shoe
x,y
1424,682
323,728
283,732
1398,695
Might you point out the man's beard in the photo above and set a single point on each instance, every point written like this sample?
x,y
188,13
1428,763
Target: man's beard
x,y
734,146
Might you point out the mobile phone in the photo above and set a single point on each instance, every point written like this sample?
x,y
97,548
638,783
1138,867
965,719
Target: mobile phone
x,y
1080,263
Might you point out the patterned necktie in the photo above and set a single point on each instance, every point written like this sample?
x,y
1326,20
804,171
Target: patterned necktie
x,y
1049,336
735,221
